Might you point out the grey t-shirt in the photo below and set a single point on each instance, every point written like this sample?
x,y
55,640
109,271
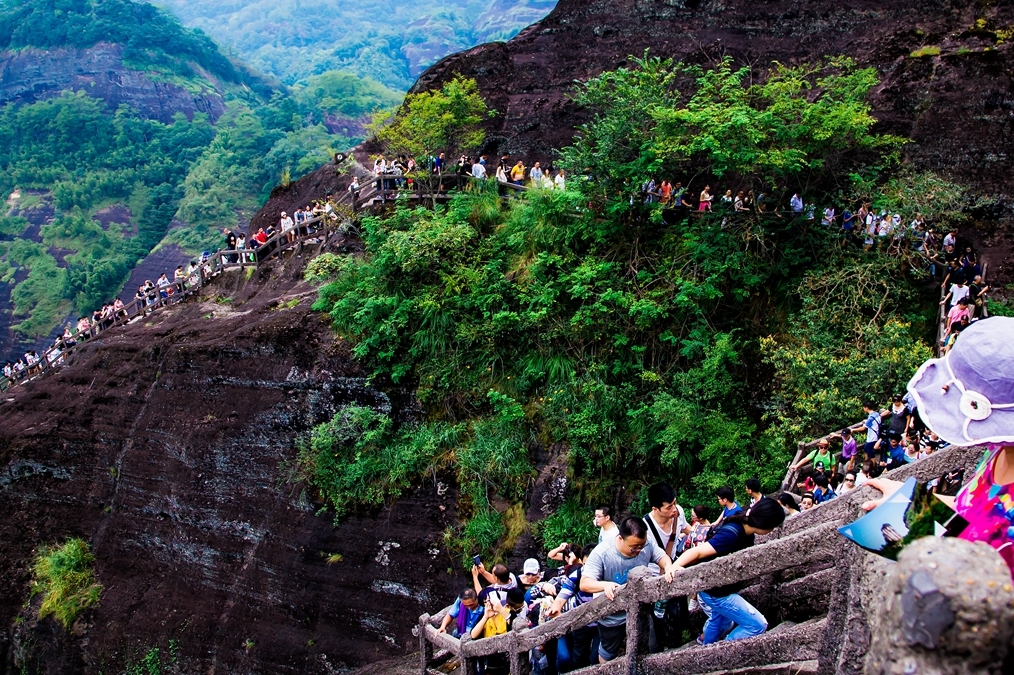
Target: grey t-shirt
x,y
606,563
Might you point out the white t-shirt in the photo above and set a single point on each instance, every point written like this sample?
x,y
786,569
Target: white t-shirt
x,y
559,181
674,531
608,534
958,292
478,170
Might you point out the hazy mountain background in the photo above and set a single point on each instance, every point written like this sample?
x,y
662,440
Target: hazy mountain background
x,y
128,140
392,42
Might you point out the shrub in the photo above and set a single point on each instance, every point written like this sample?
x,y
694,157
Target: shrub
x,y
66,578
481,537
360,460
571,523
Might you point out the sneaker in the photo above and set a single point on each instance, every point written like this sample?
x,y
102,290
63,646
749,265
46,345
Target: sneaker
x,y
693,605
700,639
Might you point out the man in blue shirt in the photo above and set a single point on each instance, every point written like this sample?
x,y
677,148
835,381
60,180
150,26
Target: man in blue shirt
x,y
464,614
872,425
727,500
892,453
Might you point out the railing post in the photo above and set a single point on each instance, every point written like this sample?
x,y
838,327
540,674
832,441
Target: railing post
x,y
519,661
638,620
425,648
790,475
468,663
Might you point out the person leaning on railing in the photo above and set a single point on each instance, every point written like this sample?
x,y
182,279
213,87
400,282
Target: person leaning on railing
x,y
729,614
497,619
463,615
570,596
606,571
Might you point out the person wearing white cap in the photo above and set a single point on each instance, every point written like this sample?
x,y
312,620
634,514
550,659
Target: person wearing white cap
x,y
967,398
531,573
286,225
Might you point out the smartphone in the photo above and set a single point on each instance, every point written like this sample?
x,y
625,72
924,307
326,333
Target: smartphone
x,y
476,560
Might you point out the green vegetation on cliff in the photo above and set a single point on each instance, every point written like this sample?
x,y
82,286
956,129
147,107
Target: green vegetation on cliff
x,y
65,576
643,345
151,38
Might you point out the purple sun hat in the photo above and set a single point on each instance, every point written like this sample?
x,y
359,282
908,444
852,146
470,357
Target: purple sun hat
x,y
967,397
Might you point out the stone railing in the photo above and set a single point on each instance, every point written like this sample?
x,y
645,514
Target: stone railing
x,y
874,615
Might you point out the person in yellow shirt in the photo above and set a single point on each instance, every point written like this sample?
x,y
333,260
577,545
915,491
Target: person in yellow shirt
x,y
518,173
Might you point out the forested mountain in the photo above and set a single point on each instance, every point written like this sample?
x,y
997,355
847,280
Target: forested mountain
x,y
122,131
390,42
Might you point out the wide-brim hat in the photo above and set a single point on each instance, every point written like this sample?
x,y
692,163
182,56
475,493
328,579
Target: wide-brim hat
x,y
967,397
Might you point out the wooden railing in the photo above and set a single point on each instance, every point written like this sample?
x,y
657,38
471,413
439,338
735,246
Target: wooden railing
x,y
318,227
808,540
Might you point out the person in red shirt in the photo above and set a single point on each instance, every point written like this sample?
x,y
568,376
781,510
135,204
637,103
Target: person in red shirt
x,y
666,191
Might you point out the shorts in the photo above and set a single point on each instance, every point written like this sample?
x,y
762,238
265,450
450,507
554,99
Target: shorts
x,y
868,449
612,641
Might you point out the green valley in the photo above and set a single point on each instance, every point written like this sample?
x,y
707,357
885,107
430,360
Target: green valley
x,y
389,42
97,180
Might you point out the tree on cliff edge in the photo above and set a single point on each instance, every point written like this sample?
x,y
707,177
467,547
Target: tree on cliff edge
x,y
436,121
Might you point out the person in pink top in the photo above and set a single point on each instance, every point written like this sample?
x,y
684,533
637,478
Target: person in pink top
x,y
963,308
967,398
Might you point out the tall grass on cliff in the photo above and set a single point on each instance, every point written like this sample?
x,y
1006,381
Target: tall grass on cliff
x,y
641,345
65,576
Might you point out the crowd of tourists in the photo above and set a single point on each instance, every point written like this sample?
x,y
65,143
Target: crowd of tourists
x,y
149,296
839,464
666,540
401,172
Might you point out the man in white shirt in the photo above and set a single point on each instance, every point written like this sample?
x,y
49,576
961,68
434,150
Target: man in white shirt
x,y
478,170
560,181
667,524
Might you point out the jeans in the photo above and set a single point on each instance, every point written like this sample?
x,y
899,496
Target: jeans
x,y
584,647
728,611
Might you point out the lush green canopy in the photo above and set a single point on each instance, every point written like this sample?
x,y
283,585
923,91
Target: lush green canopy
x,y
695,349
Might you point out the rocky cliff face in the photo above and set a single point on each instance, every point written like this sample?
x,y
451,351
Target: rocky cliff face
x,y
169,446
30,75
946,69
954,102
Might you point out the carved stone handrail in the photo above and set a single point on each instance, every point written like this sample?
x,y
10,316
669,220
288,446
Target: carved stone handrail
x,y
807,541
752,563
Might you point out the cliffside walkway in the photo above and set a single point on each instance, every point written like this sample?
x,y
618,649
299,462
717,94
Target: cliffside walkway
x,y
380,191
314,233
870,611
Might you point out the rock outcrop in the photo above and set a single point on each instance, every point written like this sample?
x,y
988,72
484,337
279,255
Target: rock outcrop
x,y
946,77
169,445
945,65
30,75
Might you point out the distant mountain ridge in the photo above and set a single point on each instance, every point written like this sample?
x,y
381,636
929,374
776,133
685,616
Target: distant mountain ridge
x,y
390,42
127,142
